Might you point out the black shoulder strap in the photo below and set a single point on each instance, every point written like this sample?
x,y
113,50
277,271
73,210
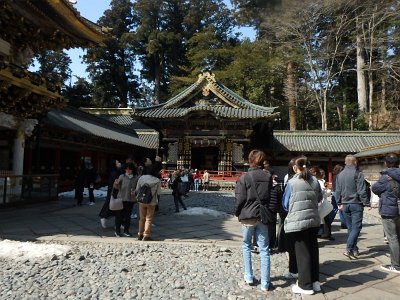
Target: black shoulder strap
x,y
253,186
395,187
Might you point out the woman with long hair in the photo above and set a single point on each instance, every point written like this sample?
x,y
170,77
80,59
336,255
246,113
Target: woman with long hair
x,y
300,200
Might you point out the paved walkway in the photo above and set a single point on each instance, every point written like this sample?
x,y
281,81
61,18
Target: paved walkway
x,y
340,277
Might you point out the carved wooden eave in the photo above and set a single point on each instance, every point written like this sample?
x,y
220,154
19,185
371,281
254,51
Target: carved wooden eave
x,y
46,25
26,94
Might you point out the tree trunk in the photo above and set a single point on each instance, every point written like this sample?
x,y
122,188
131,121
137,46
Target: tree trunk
x,y
361,87
291,95
371,90
383,94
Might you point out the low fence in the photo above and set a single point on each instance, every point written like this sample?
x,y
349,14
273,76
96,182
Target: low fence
x,y
22,189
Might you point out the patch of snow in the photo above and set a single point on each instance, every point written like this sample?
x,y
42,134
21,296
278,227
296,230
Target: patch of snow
x,y
102,192
28,250
201,211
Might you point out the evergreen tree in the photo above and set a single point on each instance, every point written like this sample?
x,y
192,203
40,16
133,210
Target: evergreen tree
x,y
55,66
80,94
112,67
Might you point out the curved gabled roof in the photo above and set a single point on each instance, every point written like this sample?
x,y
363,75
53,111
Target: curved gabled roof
x,y
231,105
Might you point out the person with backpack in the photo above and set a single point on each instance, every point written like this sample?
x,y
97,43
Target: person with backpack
x,y
147,190
253,195
388,190
352,195
125,187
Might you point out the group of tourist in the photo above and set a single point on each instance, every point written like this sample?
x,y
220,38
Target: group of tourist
x,y
192,179
125,182
301,223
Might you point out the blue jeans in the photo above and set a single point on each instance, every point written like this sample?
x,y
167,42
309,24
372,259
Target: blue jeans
x,y
196,184
261,232
354,217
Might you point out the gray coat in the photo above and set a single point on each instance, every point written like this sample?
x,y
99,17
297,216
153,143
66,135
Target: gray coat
x,y
347,190
303,204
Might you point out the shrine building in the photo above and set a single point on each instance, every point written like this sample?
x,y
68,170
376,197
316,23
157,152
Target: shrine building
x,y
208,127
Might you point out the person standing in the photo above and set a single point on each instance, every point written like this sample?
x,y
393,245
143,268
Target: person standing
x,y
351,196
115,172
91,177
80,184
388,190
147,210
175,190
300,200
196,178
206,180
126,185
253,190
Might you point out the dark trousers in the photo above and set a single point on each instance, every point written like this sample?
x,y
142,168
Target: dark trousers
x,y
354,216
272,235
391,227
79,195
177,199
307,256
91,194
123,217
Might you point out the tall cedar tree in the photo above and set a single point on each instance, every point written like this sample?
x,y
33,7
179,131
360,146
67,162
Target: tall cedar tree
x,y
111,67
55,66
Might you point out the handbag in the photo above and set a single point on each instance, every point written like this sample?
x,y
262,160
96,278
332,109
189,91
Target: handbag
x,y
116,203
324,208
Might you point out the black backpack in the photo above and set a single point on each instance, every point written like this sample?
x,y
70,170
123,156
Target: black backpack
x,y
395,186
144,195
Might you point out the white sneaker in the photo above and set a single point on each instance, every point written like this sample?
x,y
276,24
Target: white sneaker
x,y
316,286
133,216
91,203
103,222
298,290
390,268
289,275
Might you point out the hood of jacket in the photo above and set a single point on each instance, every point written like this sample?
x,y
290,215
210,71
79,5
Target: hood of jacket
x,y
394,173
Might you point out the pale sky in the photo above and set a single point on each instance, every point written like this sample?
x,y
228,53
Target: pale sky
x,y
93,10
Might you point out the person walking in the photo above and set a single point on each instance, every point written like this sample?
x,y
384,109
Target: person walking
x,y
388,190
206,180
300,200
335,172
115,172
126,185
175,190
252,190
91,177
351,196
147,210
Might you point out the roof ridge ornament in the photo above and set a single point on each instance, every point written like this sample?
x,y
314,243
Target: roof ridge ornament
x,y
209,76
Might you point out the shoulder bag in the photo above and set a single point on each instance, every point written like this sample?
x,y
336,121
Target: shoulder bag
x,y
116,203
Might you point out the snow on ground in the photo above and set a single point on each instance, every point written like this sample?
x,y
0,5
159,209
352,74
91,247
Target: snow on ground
x,y
201,211
27,250
102,192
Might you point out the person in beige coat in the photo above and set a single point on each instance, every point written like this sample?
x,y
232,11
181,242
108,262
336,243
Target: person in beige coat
x,y
147,210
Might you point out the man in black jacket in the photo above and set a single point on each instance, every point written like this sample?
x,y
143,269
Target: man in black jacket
x,y
352,196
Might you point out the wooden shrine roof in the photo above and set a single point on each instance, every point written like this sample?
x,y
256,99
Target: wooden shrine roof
x,y
206,95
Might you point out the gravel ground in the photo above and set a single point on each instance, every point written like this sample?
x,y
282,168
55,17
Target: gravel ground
x,y
145,270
